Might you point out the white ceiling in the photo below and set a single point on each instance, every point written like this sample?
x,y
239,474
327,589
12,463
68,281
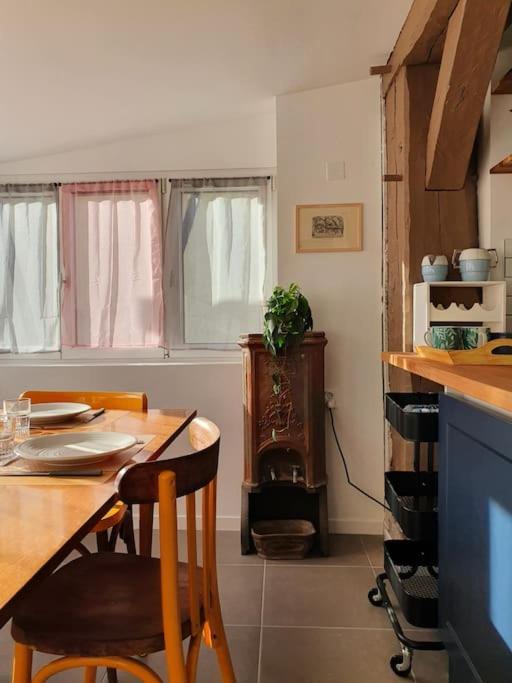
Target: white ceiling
x,y
76,73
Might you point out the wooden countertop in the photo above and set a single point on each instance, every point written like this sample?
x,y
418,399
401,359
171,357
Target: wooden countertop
x,y
489,383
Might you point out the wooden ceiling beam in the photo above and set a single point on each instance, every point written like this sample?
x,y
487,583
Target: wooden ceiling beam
x,y
421,34
472,41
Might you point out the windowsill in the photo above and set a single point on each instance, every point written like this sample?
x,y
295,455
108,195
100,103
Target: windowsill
x,y
181,357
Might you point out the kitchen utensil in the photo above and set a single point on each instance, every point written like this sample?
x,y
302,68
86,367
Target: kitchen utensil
x,y
444,337
474,337
434,268
7,431
55,473
74,448
475,264
496,352
46,413
9,460
19,409
81,419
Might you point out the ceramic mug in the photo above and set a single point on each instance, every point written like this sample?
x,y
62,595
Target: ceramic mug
x,y
447,338
474,337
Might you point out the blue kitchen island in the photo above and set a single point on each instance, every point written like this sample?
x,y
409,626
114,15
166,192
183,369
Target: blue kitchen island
x,y
475,516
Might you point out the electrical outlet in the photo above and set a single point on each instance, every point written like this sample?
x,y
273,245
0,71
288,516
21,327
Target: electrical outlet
x,y
335,170
330,400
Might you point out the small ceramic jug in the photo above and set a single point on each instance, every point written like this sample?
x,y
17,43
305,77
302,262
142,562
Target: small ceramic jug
x,y
434,268
475,264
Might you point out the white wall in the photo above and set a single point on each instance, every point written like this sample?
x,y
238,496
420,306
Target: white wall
x,y
495,143
340,123
240,143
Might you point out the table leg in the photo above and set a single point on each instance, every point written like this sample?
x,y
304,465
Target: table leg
x,y
146,529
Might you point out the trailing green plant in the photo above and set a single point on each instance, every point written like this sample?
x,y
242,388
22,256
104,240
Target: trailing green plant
x,y
287,318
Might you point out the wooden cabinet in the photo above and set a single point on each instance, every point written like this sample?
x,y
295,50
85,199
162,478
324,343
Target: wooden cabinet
x,y
475,528
284,436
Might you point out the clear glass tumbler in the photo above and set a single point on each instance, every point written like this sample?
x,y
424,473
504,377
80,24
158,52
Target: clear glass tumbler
x,y
7,431
19,408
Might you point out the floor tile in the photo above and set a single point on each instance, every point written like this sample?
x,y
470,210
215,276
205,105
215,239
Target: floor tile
x,y
5,640
344,550
374,546
243,646
320,596
228,548
327,655
240,594
430,667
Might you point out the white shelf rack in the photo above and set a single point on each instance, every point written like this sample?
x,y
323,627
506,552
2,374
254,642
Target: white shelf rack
x,y
492,312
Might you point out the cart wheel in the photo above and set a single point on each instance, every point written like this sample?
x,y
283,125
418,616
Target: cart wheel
x,y
401,665
375,597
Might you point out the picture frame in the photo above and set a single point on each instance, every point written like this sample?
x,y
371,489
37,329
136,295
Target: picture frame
x,y
325,228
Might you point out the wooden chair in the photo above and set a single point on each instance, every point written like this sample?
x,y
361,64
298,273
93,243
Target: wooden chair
x,y
118,520
117,605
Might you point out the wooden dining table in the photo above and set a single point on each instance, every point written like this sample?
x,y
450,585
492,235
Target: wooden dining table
x,y
43,519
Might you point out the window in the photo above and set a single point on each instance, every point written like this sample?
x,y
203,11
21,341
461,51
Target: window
x,y
220,251
89,270
29,273
112,272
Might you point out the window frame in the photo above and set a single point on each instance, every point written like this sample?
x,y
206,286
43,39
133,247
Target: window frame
x,y
176,352
174,287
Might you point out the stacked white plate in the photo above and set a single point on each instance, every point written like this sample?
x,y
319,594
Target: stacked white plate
x,y
74,448
51,413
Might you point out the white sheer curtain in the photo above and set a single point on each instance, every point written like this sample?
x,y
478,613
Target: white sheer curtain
x,y
29,269
224,269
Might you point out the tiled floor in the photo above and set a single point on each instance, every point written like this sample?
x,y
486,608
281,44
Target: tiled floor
x,y
299,622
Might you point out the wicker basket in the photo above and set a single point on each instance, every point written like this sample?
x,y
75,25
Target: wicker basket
x,y
283,539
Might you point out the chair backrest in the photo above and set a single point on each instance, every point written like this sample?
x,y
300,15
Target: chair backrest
x,y
164,481
115,400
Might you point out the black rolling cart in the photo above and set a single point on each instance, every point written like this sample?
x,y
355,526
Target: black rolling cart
x,y
411,565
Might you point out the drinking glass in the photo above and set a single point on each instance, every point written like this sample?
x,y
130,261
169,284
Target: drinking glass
x,y
19,408
7,431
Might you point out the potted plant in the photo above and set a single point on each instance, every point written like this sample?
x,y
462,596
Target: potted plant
x,y
287,318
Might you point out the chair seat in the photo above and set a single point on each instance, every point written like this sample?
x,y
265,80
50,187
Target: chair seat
x,y
104,604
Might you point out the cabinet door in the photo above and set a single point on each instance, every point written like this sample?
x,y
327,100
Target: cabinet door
x,y
475,535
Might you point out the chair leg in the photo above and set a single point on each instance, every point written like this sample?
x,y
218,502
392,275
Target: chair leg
x,y
193,657
102,541
227,674
82,549
22,664
90,674
113,537
127,532
111,675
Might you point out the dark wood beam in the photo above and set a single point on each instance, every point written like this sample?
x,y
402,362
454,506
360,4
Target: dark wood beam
x,y
420,35
472,42
380,70
417,222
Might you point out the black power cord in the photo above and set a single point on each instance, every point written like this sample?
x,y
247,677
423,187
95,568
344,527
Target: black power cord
x,y
368,495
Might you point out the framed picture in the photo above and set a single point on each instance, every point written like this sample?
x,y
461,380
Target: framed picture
x,y
328,227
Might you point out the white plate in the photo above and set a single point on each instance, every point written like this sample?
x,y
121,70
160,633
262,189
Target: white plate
x,y
74,448
48,413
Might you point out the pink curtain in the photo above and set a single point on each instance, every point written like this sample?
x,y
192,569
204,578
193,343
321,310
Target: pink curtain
x,y
111,252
